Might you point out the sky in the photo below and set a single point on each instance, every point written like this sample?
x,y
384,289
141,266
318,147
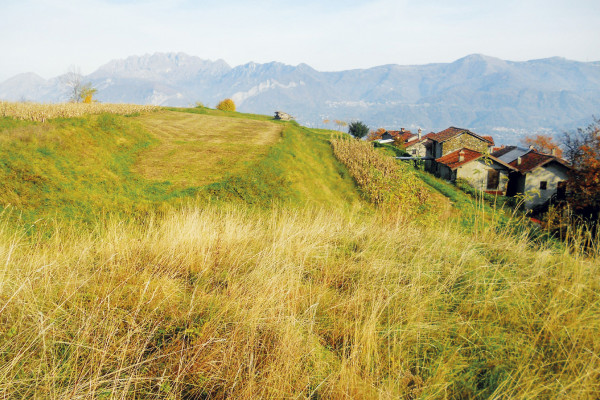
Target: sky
x,y
51,37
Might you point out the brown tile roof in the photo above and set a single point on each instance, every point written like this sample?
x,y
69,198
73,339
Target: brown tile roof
x,y
402,135
534,159
451,132
451,159
405,136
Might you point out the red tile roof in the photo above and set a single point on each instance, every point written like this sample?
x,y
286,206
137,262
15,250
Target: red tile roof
x,y
451,160
451,132
405,137
534,159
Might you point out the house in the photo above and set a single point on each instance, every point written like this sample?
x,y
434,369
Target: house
x,y
395,136
537,175
452,139
417,146
283,116
385,138
482,171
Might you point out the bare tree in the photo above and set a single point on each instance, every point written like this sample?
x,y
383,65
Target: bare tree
x,y
77,90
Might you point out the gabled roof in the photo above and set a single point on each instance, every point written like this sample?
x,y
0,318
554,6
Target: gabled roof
x,y
401,136
452,162
423,139
451,132
405,137
511,153
386,136
534,159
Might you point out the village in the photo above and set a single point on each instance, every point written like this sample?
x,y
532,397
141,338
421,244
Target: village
x,y
536,178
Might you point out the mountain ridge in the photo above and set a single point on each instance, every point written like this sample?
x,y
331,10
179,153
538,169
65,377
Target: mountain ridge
x,y
484,93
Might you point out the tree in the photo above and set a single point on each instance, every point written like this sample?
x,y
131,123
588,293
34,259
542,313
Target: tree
x,y
358,129
582,149
87,93
341,124
375,135
77,90
543,144
226,105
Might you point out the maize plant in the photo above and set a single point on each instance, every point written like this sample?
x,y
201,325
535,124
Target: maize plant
x,y
42,112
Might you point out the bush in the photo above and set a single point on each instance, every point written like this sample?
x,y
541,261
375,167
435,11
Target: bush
x,y
358,129
226,105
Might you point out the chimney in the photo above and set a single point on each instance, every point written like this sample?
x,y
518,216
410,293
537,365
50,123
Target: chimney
x,y
531,147
419,132
402,130
518,160
461,156
553,151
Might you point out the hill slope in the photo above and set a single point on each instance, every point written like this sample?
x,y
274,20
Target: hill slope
x,y
273,282
86,167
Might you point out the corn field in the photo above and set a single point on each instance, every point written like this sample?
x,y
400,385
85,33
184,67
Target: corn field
x,y
42,112
384,181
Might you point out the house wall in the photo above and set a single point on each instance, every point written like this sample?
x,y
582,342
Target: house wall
x,y
552,173
460,141
421,150
476,173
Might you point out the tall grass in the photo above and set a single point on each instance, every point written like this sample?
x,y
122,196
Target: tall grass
x,y
228,303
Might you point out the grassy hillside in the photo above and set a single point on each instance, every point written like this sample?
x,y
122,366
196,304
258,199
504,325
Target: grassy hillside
x,y
81,169
196,149
276,280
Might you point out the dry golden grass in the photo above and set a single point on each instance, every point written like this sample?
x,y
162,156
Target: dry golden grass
x,y
196,149
42,112
229,303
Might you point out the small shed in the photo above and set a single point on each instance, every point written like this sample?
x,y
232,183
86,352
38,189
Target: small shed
x,y
283,116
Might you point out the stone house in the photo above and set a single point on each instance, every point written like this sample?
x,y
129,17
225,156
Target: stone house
x,y
283,116
482,171
417,147
537,175
451,140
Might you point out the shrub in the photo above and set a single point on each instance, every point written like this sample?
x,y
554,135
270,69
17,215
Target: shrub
x,y
226,105
358,129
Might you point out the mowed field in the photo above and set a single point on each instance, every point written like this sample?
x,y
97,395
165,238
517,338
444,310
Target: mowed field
x,y
197,149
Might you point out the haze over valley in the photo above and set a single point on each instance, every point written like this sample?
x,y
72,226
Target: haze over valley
x,y
492,96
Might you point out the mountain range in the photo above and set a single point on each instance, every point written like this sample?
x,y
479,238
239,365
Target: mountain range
x,y
488,95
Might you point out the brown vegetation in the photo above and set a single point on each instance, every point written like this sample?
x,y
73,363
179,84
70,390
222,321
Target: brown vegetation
x,y
42,112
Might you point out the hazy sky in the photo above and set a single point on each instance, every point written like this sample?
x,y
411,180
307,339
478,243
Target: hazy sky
x,y
50,36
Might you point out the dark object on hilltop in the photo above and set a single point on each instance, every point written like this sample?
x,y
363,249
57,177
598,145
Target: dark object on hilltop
x,y
283,116
358,129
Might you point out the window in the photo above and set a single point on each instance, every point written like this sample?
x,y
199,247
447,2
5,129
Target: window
x,y
543,185
414,151
493,179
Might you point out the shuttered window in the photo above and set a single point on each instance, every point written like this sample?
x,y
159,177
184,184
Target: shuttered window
x,y
493,179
